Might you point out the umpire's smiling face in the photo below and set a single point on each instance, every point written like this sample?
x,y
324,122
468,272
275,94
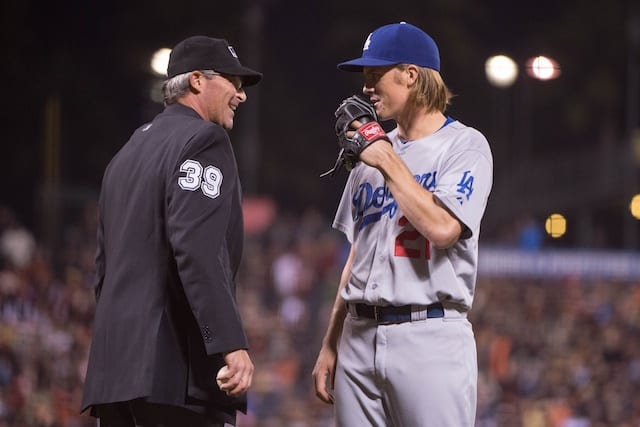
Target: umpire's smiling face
x,y
221,94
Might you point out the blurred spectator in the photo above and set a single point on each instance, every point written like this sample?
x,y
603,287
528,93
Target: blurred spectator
x,y
17,244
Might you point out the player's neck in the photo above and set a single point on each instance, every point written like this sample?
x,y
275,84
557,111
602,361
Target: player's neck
x,y
419,125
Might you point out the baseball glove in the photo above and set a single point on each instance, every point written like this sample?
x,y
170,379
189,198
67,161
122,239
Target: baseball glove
x,y
351,109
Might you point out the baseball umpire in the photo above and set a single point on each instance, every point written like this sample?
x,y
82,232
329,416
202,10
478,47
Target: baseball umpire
x,y
170,239
399,350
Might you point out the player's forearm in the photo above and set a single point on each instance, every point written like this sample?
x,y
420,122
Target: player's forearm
x,y
339,311
334,330
420,206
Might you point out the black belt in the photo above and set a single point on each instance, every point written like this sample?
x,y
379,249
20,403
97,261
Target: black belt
x,y
396,314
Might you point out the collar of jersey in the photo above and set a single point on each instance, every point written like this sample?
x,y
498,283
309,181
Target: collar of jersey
x,y
446,122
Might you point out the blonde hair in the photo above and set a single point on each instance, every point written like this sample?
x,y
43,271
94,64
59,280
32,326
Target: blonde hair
x,y
429,91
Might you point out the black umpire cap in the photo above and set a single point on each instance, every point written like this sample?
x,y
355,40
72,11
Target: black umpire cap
x,y
207,53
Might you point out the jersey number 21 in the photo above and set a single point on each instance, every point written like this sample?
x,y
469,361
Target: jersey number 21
x,y
410,243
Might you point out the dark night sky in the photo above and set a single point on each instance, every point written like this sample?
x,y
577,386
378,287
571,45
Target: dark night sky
x,y
94,56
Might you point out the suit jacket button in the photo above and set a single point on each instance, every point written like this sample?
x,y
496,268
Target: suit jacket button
x,y
206,333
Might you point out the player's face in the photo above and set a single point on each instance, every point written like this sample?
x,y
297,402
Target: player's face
x,y
222,95
387,90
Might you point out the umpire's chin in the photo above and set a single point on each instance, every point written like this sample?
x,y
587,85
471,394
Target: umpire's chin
x,y
226,117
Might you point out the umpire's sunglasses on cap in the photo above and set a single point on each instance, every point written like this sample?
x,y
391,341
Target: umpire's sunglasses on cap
x,y
236,81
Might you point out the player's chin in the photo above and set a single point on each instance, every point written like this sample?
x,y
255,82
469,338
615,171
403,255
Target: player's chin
x,y
383,117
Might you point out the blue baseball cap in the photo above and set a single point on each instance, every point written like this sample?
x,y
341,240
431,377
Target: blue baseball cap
x,y
394,44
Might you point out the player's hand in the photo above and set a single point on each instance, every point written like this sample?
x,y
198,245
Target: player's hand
x,y
375,151
324,374
239,375
357,128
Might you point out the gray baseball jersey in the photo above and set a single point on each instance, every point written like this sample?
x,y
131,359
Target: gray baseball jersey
x,y
394,264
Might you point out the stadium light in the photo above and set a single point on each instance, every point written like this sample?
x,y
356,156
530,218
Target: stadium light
x,y
634,206
158,64
556,225
501,70
543,68
159,61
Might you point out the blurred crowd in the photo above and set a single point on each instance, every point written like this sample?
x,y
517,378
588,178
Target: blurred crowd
x,y
564,353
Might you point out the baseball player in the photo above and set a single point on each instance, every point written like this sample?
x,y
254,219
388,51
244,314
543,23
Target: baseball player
x,y
170,241
399,350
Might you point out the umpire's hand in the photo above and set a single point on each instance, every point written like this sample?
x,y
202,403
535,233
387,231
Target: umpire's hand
x,y
237,379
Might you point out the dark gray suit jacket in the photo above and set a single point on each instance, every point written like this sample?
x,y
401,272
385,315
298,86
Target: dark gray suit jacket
x,y
170,240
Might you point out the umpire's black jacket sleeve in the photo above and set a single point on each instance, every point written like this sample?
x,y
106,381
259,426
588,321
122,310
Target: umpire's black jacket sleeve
x,y
197,221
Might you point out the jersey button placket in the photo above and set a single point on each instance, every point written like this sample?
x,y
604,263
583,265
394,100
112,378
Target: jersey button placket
x,y
378,260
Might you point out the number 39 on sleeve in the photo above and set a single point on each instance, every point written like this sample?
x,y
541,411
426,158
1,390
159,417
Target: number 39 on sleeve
x,y
208,179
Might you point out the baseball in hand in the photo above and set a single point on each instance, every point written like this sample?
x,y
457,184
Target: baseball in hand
x,y
221,373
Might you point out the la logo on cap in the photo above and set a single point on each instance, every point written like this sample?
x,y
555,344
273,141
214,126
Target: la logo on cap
x,y
233,52
395,44
367,42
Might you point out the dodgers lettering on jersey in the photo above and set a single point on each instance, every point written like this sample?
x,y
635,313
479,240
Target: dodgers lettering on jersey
x,y
379,201
395,264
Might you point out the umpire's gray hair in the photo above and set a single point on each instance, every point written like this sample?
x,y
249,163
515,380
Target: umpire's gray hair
x,y
178,86
175,88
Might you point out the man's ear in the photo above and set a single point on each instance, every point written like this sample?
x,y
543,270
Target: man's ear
x,y
412,74
195,81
